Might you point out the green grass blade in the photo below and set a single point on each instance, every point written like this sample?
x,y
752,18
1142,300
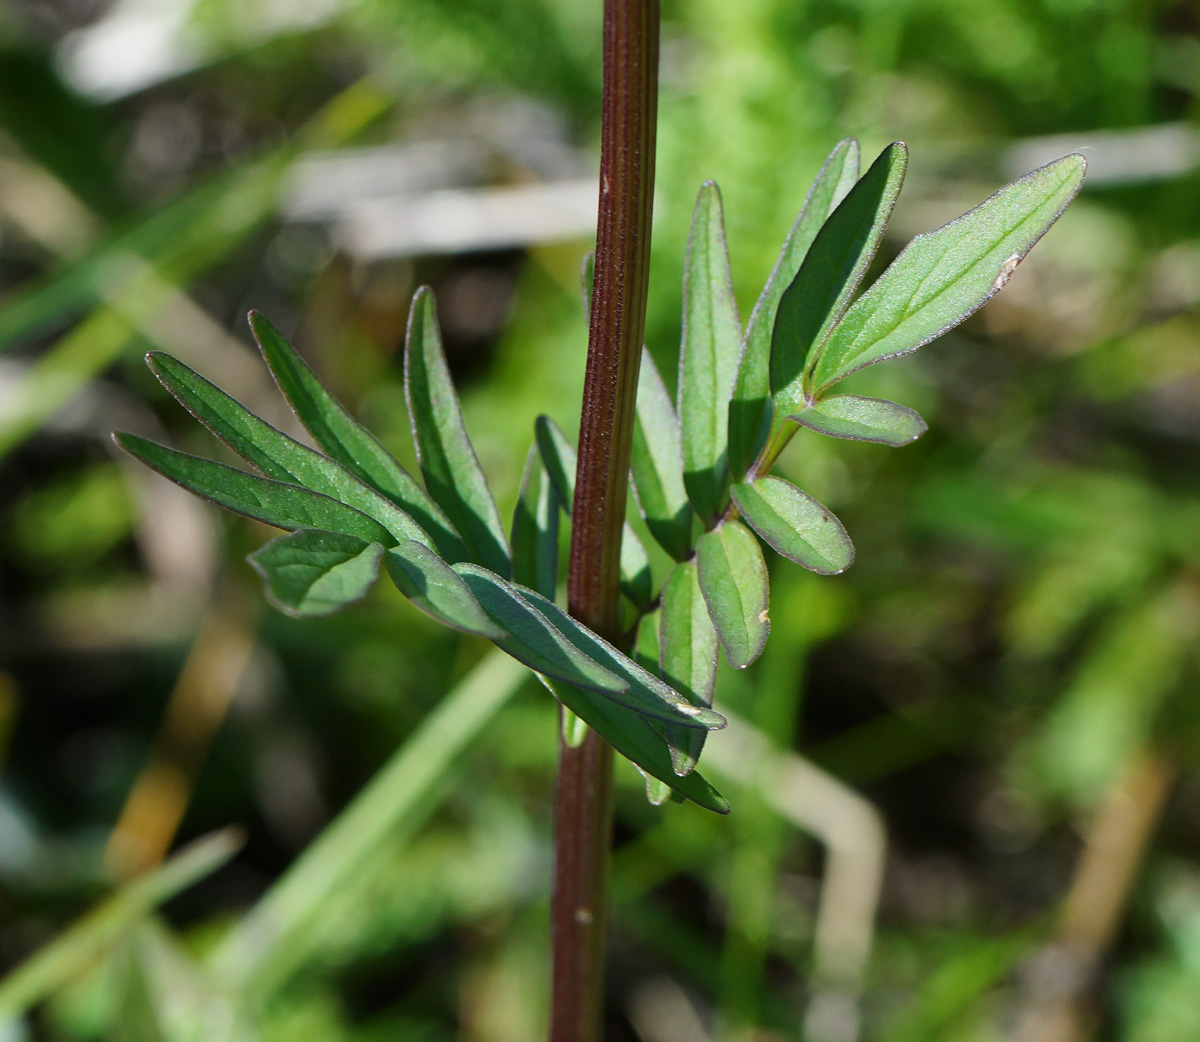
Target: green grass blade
x,y
733,580
175,989
449,465
633,736
313,573
708,357
656,464
178,240
833,268
750,412
284,930
139,1013
535,529
271,502
862,419
437,589
62,373
795,525
943,276
687,655
348,442
272,451
74,950
531,638
558,457
131,297
646,694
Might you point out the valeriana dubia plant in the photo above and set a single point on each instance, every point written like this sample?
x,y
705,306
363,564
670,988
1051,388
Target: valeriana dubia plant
x,y
701,465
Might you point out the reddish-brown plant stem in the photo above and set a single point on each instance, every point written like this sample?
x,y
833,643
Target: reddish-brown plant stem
x,y
583,807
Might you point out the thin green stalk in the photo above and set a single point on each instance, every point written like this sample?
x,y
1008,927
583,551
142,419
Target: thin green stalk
x,y
583,807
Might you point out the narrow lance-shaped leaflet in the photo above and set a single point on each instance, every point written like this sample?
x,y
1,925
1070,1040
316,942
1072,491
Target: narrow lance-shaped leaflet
x,y
708,357
449,465
347,441
832,270
751,411
646,693
535,529
656,464
687,649
645,654
535,554
273,452
271,502
943,276
529,636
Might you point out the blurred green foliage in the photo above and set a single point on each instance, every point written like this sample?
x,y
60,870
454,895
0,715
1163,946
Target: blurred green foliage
x,y
1019,626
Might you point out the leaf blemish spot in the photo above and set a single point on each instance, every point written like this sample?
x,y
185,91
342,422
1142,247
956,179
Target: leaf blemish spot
x,y
1006,270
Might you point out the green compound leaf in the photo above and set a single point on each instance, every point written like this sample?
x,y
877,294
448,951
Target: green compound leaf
x,y
558,457
271,502
535,529
943,276
313,573
438,590
635,738
795,525
449,465
647,694
273,452
832,270
733,580
687,650
750,412
531,638
347,441
657,465
862,419
708,357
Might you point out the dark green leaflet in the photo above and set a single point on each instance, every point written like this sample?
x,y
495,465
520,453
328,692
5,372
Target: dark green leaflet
x,y
272,451
449,465
751,411
347,441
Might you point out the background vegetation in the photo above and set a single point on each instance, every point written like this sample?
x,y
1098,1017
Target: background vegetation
x,y
1008,672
